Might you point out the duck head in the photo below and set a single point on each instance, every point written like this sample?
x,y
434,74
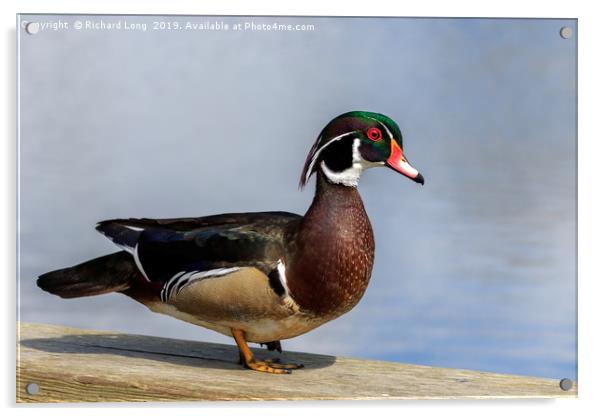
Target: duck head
x,y
353,142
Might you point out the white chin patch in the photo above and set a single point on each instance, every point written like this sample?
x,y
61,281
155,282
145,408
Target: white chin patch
x,y
350,176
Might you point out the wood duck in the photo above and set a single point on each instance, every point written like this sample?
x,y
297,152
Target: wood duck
x,y
258,277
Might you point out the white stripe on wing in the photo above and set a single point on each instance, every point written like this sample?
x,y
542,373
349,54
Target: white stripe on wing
x,y
182,279
138,264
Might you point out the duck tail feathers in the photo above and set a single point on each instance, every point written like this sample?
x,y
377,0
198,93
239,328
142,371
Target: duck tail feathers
x,y
106,274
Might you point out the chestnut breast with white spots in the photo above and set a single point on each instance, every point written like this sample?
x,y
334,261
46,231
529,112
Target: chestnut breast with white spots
x,y
332,253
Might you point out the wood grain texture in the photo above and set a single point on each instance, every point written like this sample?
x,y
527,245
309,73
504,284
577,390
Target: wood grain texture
x,y
75,365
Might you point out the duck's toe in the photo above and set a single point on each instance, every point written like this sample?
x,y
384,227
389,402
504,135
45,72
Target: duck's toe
x,y
266,367
276,363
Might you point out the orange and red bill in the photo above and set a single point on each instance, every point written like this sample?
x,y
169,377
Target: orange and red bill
x,y
398,162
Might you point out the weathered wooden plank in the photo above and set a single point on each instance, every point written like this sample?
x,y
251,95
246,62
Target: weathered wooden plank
x,y
75,365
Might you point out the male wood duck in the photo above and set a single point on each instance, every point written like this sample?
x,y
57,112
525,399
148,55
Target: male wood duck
x,y
258,277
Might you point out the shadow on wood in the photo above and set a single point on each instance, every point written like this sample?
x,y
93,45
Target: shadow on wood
x,y
75,365
202,355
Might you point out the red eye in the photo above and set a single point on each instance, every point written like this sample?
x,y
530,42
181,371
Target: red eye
x,y
374,134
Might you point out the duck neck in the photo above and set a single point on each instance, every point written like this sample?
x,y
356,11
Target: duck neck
x,y
334,251
331,198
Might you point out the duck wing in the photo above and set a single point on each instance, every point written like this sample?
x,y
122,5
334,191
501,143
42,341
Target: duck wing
x,y
176,252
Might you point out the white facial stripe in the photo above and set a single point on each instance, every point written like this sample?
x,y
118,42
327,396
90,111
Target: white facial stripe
x,y
313,160
350,176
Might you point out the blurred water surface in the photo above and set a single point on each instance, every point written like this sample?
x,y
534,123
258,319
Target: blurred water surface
x,y
474,270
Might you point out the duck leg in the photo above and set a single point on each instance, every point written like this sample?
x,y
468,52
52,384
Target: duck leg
x,y
267,366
